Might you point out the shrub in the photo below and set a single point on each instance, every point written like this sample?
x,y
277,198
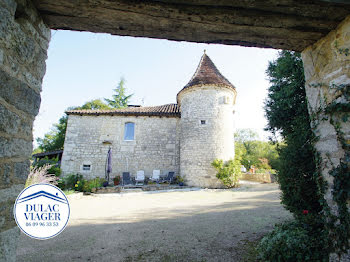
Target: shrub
x,y
40,175
297,175
287,114
178,179
80,185
228,172
263,164
90,184
294,242
54,166
56,170
69,181
61,184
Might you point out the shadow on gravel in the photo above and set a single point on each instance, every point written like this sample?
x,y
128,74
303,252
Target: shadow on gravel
x,y
223,232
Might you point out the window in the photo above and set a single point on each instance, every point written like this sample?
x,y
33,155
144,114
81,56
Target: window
x,y
86,167
226,100
129,131
203,122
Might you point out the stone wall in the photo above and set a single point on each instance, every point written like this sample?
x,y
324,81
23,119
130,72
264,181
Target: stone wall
x,y
200,144
156,145
259,177
327,74
24,40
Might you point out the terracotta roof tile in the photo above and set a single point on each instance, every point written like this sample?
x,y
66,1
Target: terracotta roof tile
x,y
169,110
207,74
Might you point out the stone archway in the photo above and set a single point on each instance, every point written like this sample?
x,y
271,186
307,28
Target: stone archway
x,y
320,29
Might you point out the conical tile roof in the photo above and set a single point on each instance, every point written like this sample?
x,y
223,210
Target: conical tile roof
x,y
207,74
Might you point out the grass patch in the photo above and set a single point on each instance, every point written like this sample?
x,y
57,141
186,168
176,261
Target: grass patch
x,y
68,192
249,250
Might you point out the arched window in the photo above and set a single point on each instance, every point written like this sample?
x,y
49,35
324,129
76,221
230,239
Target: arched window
x,y
129,131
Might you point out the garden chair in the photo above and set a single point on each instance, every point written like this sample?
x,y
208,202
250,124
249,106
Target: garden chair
x,y
155,176
170,177
140,177
126,179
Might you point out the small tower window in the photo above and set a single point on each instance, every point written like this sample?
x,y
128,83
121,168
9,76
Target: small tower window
x,y
203,122
129,131
86,167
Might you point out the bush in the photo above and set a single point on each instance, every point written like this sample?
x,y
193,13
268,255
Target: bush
x,y
69,181
90,184
228,172
55,170
287,114
297,175
178,179
78,183
294,242
61,184
54,166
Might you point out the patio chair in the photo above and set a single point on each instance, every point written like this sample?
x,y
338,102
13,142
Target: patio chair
x,y
126,179
140,177
155,176
170,177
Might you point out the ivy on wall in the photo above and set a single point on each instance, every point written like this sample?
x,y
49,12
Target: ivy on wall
x,y
338,223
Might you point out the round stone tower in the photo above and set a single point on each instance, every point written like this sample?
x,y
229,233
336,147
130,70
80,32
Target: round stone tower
x,y
207,124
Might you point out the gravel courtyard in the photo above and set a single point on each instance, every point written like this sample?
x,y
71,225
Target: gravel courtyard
x,y
200,225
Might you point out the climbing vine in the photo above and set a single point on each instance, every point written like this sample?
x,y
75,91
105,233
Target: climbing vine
x,y
338,225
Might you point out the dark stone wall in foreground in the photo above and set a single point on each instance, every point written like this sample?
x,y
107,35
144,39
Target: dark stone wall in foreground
x,y
24,40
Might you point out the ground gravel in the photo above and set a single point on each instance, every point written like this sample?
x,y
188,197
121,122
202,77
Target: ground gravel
x,y
190,225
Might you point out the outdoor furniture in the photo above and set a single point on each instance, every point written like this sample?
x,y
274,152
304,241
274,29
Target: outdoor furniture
x,y
155,176
140,177
126,179
170,177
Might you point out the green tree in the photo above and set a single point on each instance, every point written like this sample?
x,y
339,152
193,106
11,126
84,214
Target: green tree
x,y
120,99
287,114
254,152
54,139
94,104
245,135
308,238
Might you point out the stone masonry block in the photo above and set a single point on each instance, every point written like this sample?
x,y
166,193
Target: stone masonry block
x,y
15,147
6,213
12,124
17,93
21,171
5,175
8,244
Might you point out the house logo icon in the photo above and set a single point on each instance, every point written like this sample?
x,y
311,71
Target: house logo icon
x,y
41,211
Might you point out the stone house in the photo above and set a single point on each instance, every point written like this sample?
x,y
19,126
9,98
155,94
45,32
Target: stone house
x,y
184,137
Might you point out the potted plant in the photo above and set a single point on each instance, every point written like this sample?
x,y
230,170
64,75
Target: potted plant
x,y
180,180
105,184
116,180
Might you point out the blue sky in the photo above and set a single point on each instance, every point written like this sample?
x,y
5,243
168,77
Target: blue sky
x,y
84,66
